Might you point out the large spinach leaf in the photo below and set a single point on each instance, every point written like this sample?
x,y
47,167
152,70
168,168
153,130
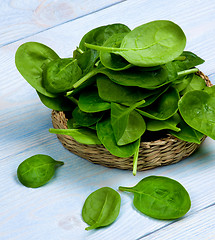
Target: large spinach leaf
x,y
160,197
31,58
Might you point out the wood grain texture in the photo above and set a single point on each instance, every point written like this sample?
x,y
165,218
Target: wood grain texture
x,y
21,18
54,211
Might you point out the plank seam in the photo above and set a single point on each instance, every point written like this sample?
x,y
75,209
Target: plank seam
x,y
174,221
60,24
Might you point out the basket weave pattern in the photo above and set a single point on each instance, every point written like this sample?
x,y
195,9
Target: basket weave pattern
x,y
152,154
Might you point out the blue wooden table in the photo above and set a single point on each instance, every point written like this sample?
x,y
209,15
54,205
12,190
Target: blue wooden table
x,y
54,210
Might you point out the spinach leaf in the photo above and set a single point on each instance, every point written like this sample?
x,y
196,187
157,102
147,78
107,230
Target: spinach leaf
x,y
85,119
164,107
60,75
59,103
157,125
81,135
160,197
128,125
101,208
191,60
187,133
99,35
136,77
89,101
113,61
195,83
198,111
112,92
31,58
151,44
106,136
37,170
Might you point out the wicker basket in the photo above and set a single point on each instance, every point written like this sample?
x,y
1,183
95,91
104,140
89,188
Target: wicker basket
x,y
152,154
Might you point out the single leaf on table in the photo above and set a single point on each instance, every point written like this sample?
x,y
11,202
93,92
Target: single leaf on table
x,y
128,125
164,107
37,170
60,75
81,135
113,92
113,61
197,108
31,58
160,197
90,101
157,125
101,208
106,136
59,103
85,119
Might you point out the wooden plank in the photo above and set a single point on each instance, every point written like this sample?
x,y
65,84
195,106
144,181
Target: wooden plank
x,y
54,211
19,19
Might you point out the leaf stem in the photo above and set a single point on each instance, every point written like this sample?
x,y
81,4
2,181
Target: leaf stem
x,y
135,159
188,71
82,80
180,58
74,100
126,189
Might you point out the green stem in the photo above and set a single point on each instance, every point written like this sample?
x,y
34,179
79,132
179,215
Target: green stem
x,y
126,189
135,159
188,71
74,100
180,58
82,80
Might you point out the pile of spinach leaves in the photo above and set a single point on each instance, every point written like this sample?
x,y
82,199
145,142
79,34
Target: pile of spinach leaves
x,y
122,85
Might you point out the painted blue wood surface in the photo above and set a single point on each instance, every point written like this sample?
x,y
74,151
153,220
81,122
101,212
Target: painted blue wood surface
x,y
54,211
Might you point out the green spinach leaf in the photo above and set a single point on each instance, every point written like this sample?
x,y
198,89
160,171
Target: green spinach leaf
x,y
60,75
90,101
85,119
160,197
101,208
106,136
164,107
128,125
31,58
37,170
197,108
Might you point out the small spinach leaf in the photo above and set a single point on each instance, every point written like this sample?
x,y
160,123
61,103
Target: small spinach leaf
x,y
198,111
187,133
59,103
160,197
60,75
113,61
157,125
37,170
128,125
164,107
106,136
101,208
85,119
89,101
113,92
